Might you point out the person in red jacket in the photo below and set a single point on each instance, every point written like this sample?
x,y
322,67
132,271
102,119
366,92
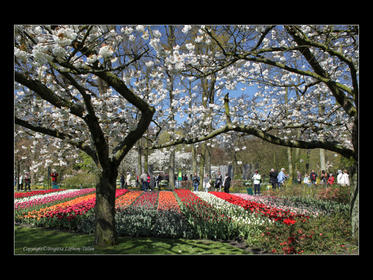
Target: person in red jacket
x,y
331,179
54,176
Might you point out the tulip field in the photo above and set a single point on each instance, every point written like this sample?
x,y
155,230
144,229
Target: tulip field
x,y
276,224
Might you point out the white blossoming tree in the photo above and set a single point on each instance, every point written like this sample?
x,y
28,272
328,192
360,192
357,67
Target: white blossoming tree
x,y
97,88
299,84
71,84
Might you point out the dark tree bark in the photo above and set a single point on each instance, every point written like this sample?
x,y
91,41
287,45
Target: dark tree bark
x,y
105,233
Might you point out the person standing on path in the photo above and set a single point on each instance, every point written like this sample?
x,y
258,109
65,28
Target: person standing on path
x,y
273,178
281,177
218,182
54,176
306,180
330,180
227,183
195,181
179,179
313,177
205,182
128,179
257,179
121,181
27,181
144,181
345,180
339,177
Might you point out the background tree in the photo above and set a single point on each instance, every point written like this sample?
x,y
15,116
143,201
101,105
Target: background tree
x,y
303,59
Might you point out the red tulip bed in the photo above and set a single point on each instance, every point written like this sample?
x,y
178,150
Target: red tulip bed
x,y
173,214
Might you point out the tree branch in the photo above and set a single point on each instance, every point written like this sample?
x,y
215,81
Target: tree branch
x,y
147,113
45,93
331,146
334,87
57,134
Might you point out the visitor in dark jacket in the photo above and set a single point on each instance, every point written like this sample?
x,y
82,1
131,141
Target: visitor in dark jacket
x,y
273,178
227,183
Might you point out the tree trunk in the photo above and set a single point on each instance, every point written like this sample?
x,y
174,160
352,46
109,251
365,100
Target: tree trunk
x,y
322,160
171,169
354,209
208,160
290,164
202,162
105,232
139,156
354,206
194,159
146,157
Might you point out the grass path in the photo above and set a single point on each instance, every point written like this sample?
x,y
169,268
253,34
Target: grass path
x,y
30,240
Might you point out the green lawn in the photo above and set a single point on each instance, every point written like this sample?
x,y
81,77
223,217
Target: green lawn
x,y
30,240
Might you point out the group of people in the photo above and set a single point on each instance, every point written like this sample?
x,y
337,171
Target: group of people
x,y
24,181
343,178
148,182
277,179
208,182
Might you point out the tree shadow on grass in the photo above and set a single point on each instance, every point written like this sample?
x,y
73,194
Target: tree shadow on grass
x,y
30,240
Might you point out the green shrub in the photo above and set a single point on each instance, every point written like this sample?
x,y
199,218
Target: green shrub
x,y
84,180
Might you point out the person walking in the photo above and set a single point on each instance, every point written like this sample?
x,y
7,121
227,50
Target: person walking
x,y
227,183
195,181
257,179
273,178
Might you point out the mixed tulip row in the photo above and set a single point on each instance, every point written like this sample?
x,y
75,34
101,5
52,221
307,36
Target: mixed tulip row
x,y
196,205
276,214
176,214
32,193
48,198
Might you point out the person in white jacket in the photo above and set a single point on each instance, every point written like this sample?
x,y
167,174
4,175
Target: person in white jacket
x,y
128,179
257,178
345,179
339,177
